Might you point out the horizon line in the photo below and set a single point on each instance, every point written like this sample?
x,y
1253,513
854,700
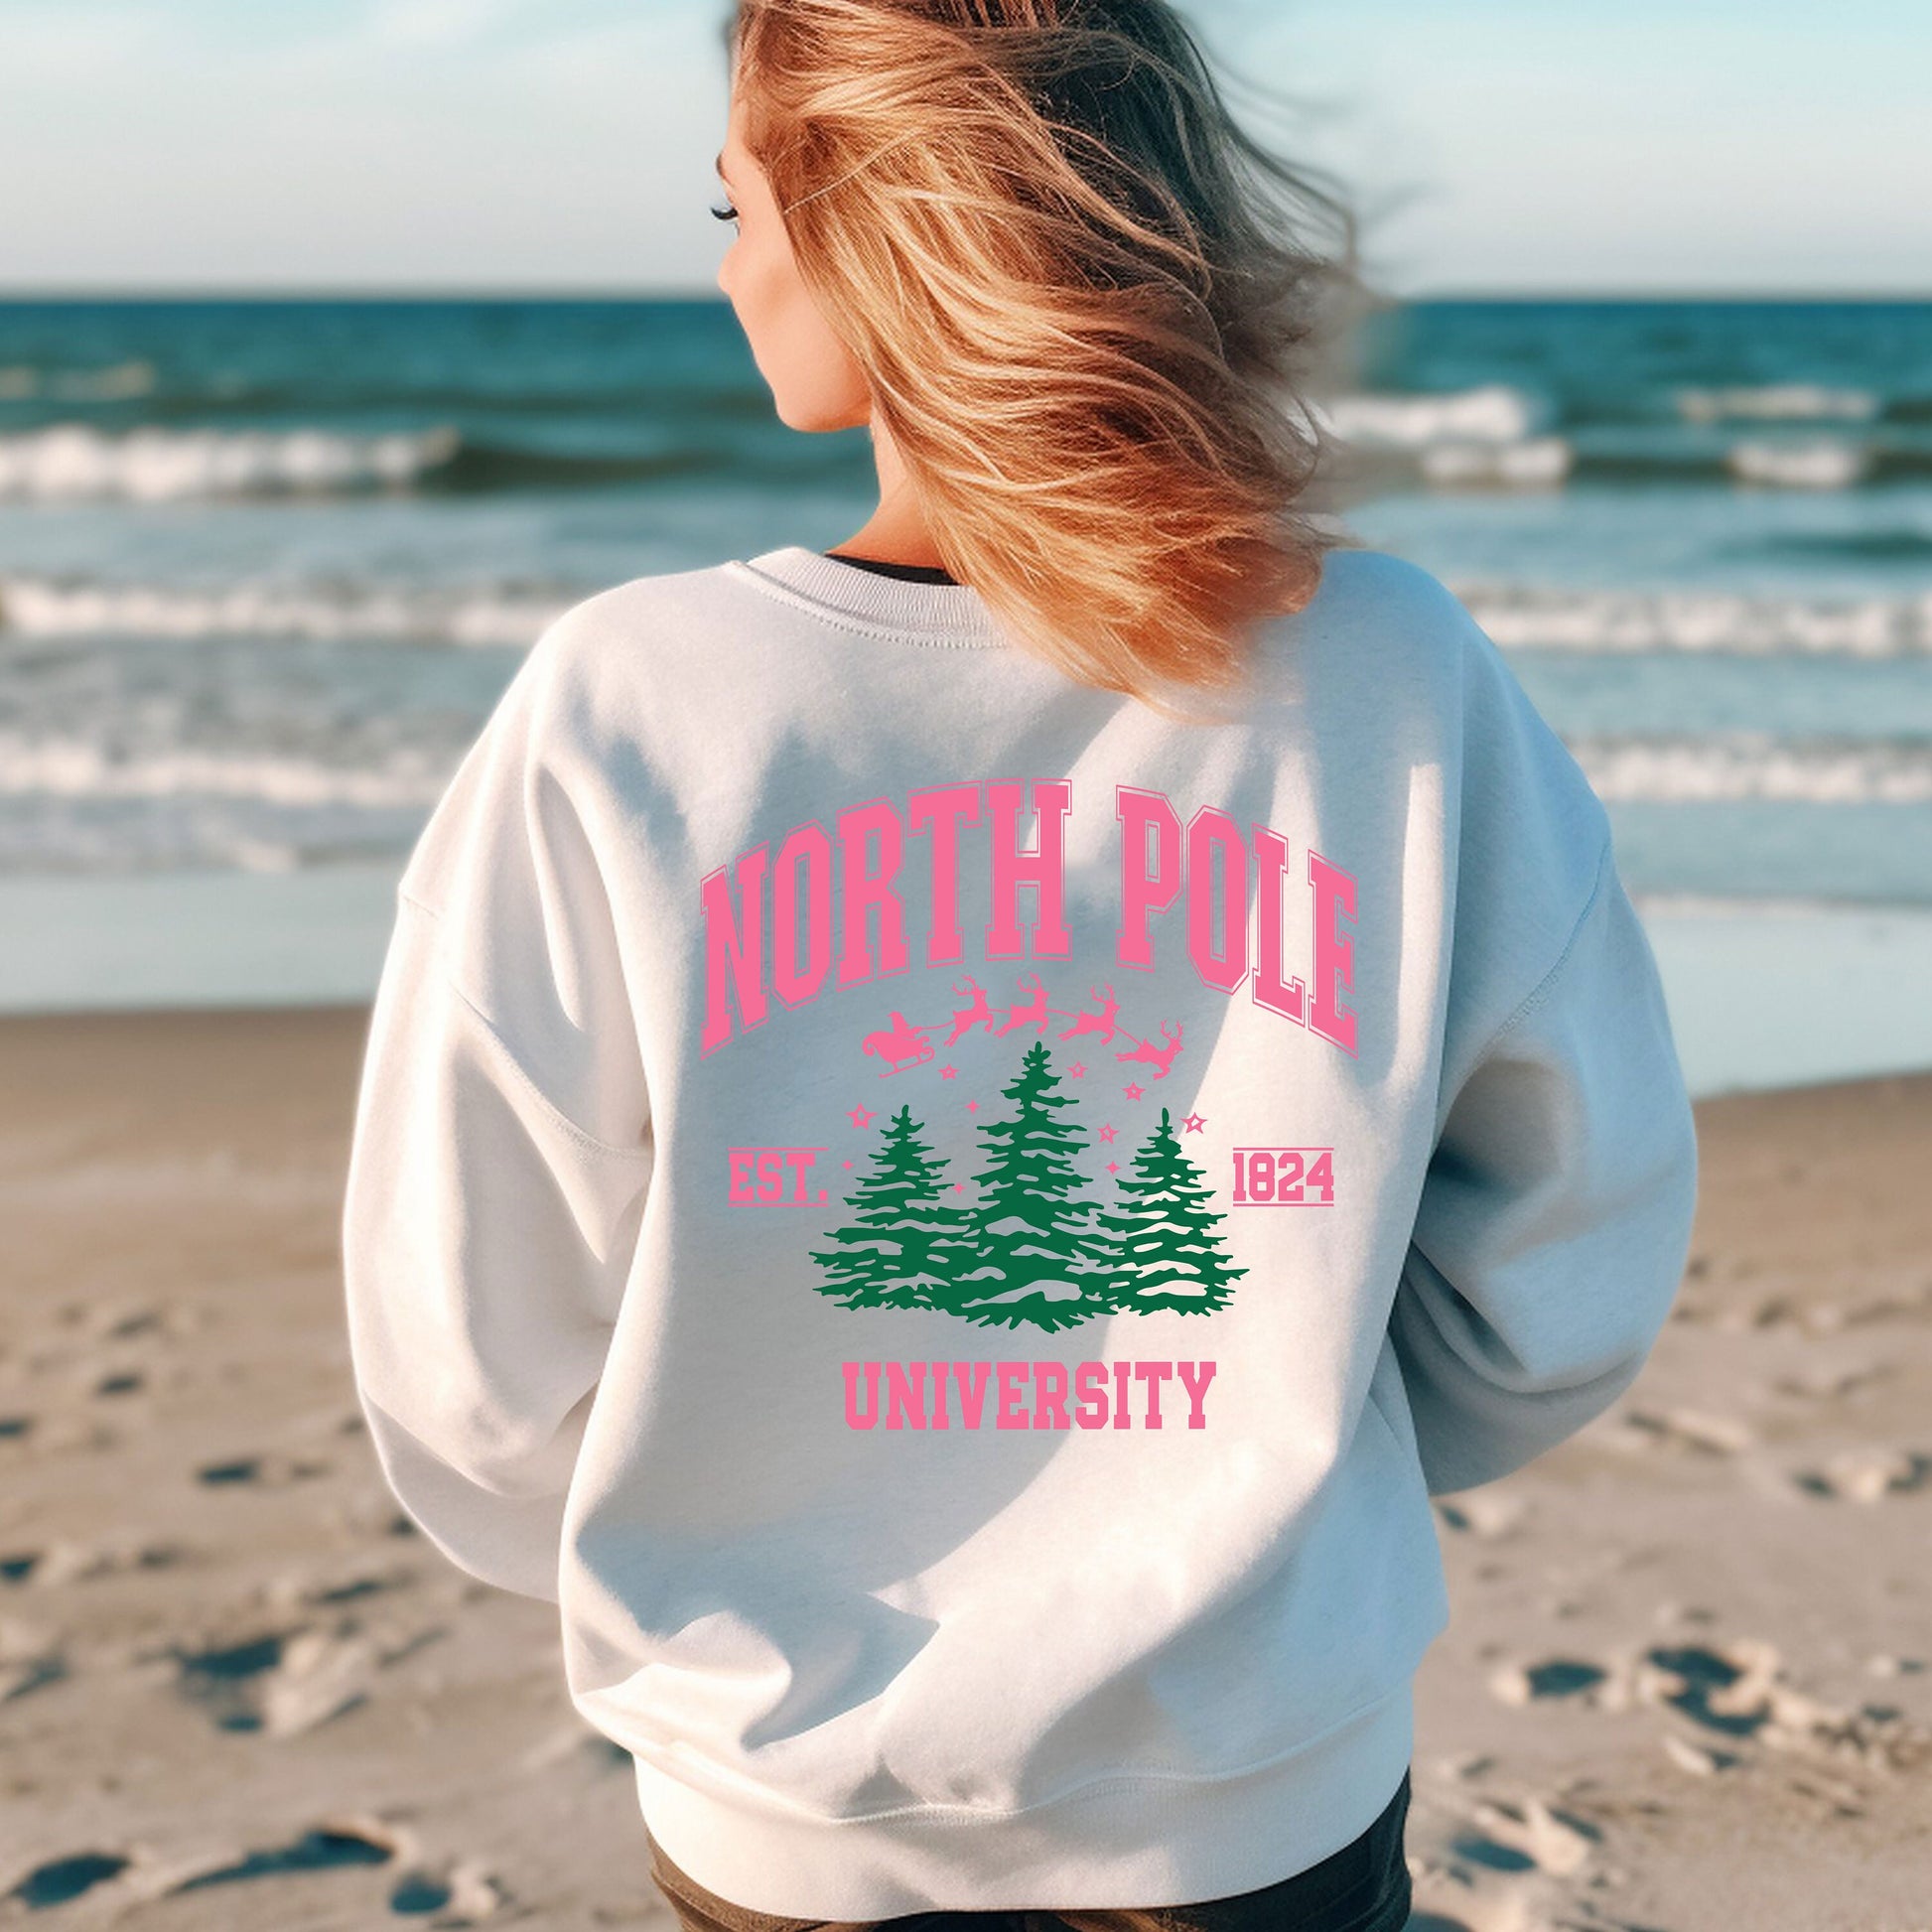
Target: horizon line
x,y
593,292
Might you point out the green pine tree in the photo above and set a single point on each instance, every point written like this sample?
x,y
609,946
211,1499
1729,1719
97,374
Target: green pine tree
x,y
1038,1257
908,1241
1166,1237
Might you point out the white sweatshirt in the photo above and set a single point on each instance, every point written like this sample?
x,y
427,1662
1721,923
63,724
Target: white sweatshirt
x,y
953,1224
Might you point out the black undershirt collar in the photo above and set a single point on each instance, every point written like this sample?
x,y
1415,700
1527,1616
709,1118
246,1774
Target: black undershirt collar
x,y
908,573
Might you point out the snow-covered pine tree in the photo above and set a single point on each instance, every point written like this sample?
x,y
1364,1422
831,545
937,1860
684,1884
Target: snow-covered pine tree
x,y
908,1240
1166,1237
1038,1255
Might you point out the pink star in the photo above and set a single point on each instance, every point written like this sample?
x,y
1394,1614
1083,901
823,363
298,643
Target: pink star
x,y
1135,1091
1107,1134
960,1186
1194,1122
972,1106
949,1074
1113,1167
860,1117
847,1164
1076,1071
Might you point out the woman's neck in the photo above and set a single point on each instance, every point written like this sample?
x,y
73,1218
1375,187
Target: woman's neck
x,y
896,533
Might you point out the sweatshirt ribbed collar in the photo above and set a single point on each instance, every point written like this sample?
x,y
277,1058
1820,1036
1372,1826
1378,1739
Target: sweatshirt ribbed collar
x,y
867,601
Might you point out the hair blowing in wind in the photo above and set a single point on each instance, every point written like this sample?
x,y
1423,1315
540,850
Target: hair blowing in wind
x,y
1080,297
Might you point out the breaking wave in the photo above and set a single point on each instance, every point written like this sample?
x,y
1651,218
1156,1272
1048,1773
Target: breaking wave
x,y
48,608
1761,766
80,769
73,462
1700,621
160,465
1774,402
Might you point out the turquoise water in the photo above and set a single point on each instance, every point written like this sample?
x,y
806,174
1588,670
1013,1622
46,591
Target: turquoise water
x,y
264,567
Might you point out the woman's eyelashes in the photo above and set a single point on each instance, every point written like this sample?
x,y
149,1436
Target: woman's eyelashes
x,y
724,210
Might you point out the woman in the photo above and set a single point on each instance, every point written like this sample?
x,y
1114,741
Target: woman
x,y
946,1198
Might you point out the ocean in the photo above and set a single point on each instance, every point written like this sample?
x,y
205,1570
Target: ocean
x,y
265,566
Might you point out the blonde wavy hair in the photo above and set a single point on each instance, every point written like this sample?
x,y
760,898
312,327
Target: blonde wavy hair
x,y
1074,285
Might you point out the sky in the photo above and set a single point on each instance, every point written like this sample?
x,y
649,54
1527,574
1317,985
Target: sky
x,y
1493,146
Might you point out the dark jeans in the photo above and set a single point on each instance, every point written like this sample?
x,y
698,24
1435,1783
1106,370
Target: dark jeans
x,y
1363,1888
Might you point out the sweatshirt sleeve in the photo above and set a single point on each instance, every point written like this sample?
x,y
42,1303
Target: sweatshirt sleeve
x,y
1555,1217
500,1158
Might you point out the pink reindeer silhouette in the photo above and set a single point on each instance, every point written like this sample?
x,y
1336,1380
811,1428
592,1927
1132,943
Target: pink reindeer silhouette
x,y
900,1046
1157,1058
1101,1023
1033,1013
965,1019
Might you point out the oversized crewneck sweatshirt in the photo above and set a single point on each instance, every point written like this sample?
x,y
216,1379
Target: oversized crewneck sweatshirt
x,y
952,1224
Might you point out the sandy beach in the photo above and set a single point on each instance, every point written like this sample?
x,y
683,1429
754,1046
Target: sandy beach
x,y
1688,1685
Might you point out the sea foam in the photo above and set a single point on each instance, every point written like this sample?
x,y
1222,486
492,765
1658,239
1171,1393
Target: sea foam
x,y
49,608
1755,765
1493,413
1736,622
1778,403
73,462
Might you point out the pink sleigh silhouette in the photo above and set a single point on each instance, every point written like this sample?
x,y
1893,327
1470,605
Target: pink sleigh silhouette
x,y
899,1046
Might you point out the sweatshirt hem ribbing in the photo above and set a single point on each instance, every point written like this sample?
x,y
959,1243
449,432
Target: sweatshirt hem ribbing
x,y
1120,1842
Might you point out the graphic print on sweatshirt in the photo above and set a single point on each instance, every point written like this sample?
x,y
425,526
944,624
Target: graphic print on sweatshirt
x,y
1034,1157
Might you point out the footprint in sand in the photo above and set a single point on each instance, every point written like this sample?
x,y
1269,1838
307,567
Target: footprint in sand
x,y
1536,1834
373,1512
326,1849
61,1880
1502,1865
298,1591
1820,1317
68,1560
463,1895
1680,1430
1555,1677
460,1895
1725,1689
1734,1692
32,1656
272,1471
21,1676
1885,1664
1867,1474
118,1320
280,1683
1824,1384
1488,1513
283,1681
1701,1761
1737,1689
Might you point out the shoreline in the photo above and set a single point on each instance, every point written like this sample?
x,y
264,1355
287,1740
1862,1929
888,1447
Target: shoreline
x,y
1762,994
